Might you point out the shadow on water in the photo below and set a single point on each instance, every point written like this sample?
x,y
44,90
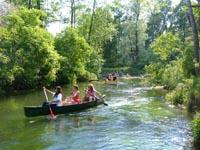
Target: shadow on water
x,y
136,118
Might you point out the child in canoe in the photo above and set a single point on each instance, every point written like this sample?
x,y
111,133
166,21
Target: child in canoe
x,y
91,93
74,98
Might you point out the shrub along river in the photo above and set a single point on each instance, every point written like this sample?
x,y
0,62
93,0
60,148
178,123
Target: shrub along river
x,y
136,118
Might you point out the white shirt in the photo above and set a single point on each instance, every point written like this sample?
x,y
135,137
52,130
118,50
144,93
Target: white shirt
x,y
57,99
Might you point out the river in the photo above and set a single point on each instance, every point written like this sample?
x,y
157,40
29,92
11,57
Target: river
x,y
136,118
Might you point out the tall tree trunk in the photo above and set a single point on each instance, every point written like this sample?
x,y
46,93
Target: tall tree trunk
x,y
74,19
137,32
136,38
132,48
38,4
72,13
198,16
92,20
195,35
29,4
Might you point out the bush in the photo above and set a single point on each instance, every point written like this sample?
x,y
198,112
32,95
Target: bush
x,y
188,62
79,58
179,95
186,93
196,129
173,74
155,72
182,93
194,99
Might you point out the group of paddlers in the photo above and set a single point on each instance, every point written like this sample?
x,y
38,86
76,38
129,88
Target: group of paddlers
x,y
90,94
111,77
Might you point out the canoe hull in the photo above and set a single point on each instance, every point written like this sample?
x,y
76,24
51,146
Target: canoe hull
x,y
33,111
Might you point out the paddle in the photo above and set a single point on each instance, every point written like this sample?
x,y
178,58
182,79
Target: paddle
x,y
50,110
105,104
102,96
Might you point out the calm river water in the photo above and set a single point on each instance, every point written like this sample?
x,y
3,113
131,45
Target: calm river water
x,y
136,118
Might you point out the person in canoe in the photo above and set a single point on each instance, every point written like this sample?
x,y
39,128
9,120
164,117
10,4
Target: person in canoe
x,y
91,93
111,77
74,98
57,95
108,78
114,76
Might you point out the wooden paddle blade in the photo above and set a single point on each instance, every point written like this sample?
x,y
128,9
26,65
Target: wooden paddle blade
x,y
102,96
52,116
105,104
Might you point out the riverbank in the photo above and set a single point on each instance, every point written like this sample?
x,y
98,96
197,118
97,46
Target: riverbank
x,y
194,114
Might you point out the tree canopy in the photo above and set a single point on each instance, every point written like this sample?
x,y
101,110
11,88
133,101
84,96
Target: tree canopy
x,y
27,49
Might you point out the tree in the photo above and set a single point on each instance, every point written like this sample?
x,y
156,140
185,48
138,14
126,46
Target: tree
x,y
158,20
131,40
136,8
29,59
179,23
167,47
169,50
110,49
92,19
28,3
76,54
195,35
103,28
72,13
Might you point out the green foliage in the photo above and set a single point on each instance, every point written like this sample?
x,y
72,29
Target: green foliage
x,y
167,46
179,20
168,69
186,93
79,58
27,17
25,3
127,47
155,72
196,129
29,58
175,69
158,20
179,95
103,28
196,12
194,100
145,57
111,50
173,74
188,62
94,64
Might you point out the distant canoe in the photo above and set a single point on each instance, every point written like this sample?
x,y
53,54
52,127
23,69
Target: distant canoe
x,y
33,111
